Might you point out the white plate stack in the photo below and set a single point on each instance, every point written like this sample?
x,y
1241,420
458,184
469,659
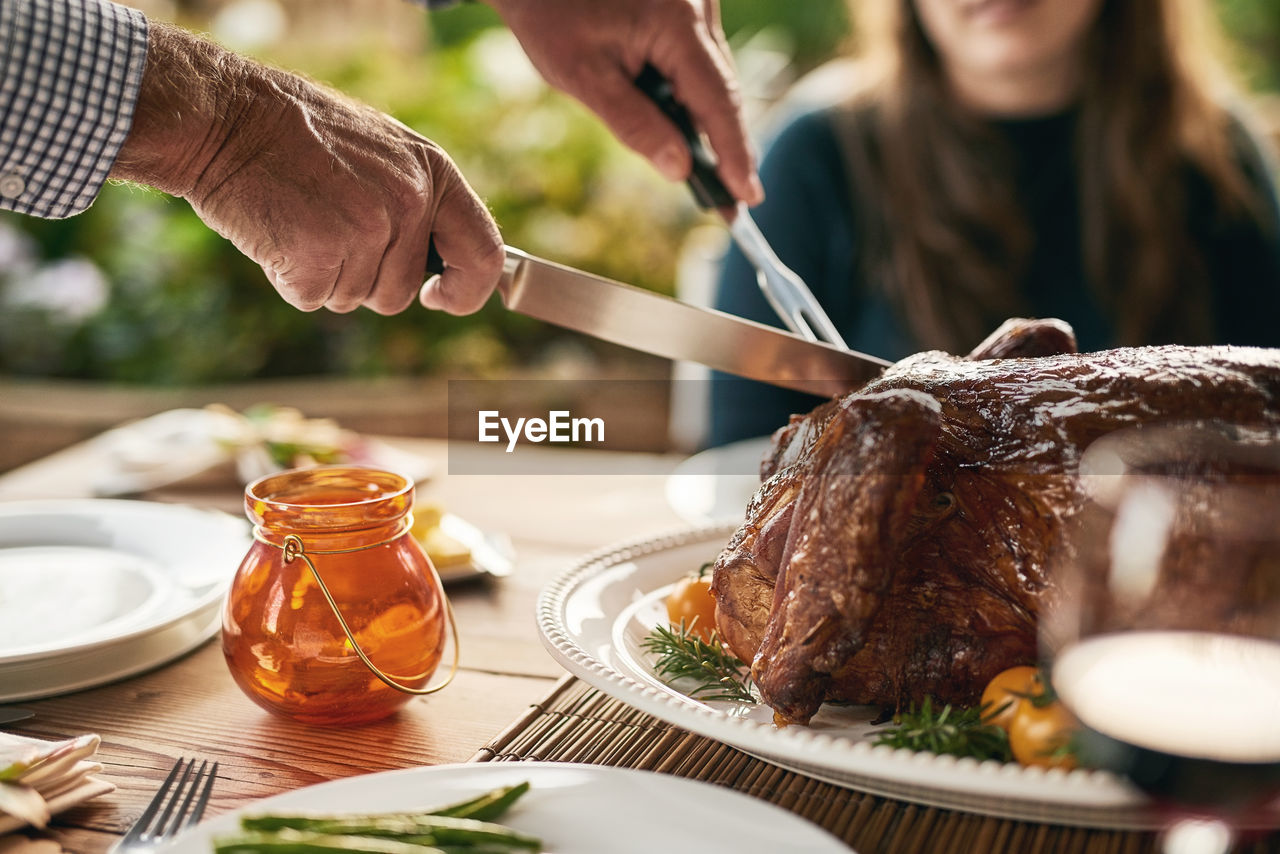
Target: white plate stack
x,y
95,590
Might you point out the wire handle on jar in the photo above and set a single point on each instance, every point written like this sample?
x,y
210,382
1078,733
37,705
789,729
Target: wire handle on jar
x,y
293,549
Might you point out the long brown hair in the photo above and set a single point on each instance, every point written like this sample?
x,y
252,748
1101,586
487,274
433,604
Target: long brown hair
x,y
948,239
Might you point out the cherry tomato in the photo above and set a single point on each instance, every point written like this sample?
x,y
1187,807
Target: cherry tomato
x,y
693,602
1006,692
1039,734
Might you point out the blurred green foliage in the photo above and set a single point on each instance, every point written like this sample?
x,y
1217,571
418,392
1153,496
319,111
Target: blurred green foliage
x,y
186,307
1253,31
139,290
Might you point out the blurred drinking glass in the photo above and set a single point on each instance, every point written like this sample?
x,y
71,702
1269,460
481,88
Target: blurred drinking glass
x,y
1166,640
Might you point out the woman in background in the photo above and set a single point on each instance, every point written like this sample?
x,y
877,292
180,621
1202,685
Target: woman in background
x,y
1079,159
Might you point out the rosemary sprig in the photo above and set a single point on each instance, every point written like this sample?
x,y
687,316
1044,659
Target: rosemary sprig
x,y
717,672
959,732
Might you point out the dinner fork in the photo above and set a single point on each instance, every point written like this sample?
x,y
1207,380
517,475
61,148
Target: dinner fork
x,y
178,805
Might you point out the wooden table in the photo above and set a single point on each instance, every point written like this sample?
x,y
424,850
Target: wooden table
x,y
191,707
509,701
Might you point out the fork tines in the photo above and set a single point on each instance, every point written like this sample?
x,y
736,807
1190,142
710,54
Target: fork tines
x,y
178,804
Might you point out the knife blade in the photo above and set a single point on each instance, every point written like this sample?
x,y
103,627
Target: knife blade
x,y
491,553
663,326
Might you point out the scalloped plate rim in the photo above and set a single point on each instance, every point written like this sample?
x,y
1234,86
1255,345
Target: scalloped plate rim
x,y
1080,798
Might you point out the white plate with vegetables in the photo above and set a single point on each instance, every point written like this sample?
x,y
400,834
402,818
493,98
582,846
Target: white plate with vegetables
x,y
568,808
595,619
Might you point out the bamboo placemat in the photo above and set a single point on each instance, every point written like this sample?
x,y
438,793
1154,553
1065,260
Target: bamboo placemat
x,y
576,723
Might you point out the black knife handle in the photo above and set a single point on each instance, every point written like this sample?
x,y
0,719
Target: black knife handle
x,y
435,264
707,187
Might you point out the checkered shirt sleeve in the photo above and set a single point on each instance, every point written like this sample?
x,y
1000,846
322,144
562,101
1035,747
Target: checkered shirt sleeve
x,y
69,77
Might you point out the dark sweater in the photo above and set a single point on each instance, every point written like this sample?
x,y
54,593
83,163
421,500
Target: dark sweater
x,y
808,217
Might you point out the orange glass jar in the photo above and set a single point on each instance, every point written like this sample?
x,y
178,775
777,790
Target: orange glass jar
x,y
344,530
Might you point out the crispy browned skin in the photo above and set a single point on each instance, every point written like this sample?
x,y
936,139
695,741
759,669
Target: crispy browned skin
x,y
900,544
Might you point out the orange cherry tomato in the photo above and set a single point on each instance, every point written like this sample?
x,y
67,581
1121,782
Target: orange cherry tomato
x,y
1039,735
1006,692
692,601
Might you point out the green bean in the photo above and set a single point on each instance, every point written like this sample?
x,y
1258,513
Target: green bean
x,y
437,830
486,807
458,828
300,842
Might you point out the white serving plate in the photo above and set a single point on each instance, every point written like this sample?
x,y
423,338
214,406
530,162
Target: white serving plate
x,y
593,617
574,809
716,485
95,590
179,443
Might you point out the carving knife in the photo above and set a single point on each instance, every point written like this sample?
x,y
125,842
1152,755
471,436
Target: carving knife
x,y
663,326
658,324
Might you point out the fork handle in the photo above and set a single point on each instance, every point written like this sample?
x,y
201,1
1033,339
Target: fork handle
x,y
703,180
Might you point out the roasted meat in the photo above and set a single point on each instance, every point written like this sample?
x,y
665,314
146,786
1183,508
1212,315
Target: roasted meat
x,y
900,544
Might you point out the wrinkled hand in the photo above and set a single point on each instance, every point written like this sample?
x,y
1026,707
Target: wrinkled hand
x,y
594,50
333,199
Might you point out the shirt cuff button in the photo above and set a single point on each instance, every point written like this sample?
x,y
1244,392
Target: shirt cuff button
x,y
12,186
